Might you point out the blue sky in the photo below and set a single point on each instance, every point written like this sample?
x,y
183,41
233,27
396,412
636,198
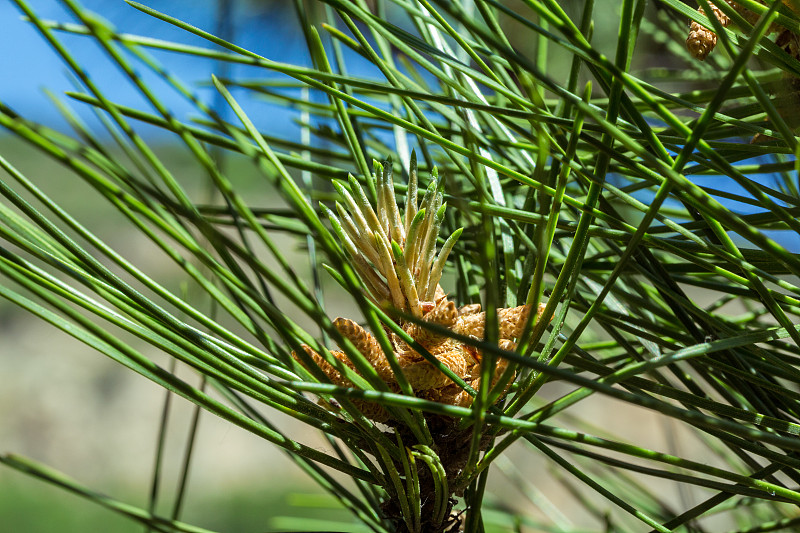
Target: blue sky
x,y
269,28
264,27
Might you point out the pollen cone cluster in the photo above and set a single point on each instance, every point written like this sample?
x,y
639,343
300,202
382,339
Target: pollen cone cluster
x,y
396,258
701,41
